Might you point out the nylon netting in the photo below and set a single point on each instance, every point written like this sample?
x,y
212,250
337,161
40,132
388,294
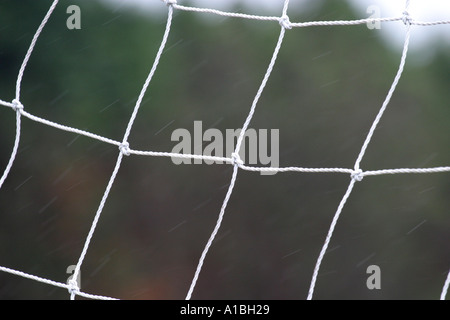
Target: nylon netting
x,y
355,173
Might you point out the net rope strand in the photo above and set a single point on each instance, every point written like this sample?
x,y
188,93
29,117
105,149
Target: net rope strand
x,y
356,174
124,149
445,288
308,23
31,48
237,162
53,283
16,104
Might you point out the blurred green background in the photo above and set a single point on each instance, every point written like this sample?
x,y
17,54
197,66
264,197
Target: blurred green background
x,y
326,88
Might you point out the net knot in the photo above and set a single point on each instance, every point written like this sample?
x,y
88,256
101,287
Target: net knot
x,y
17,105
236,159
357,175
406,18
124,148
169,2
285,23
73,286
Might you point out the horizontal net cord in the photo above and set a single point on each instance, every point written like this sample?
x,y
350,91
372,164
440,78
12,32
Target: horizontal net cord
x,y
180,155
405,170
70,129
223,159
342,22
431,23
7,104
53,283
225,13
365,21
345,170
349,22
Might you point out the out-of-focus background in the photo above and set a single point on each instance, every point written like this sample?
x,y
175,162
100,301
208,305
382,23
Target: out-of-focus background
x,y
326,88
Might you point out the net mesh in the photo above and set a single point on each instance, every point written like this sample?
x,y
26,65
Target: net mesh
x,y
356,173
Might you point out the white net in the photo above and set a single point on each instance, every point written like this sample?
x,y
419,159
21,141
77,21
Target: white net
x,y
356,173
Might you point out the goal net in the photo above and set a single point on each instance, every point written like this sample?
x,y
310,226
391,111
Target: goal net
x,y
205,153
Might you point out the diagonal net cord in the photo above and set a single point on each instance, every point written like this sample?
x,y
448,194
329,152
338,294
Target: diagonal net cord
x,y
124,150
356,175
15,148
445,287
16,105
237,162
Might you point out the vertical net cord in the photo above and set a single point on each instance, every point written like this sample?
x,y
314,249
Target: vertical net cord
x,y
14,151
358,160
235,156
214,233
264,82
445,287
123,149
17,105
388,97
151,73
30,49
